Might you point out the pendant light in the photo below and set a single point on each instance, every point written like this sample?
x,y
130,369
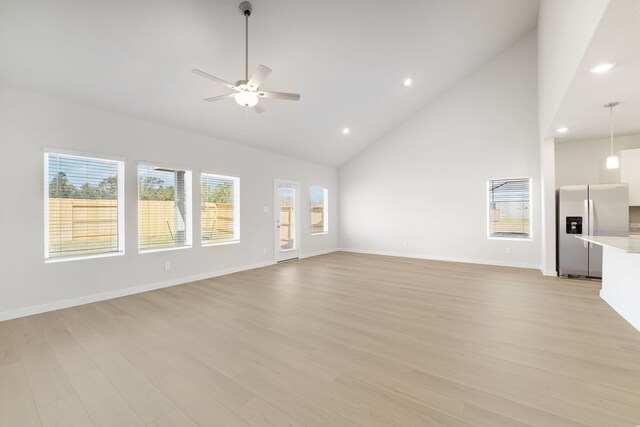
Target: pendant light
x,y
613,162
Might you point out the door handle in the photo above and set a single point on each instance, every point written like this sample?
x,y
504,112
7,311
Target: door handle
x,y
586,218
592,220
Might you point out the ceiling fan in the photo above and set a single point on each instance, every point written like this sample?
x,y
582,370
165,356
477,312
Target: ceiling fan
x,y
247,91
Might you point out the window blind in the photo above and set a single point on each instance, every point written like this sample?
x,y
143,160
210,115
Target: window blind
x,y
164,208
83,206
220,209
509,214
319,210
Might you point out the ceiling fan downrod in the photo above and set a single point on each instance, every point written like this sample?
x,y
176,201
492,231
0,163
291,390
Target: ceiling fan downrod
x,y
246,8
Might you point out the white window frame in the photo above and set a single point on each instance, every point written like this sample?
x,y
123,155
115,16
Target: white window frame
x,y
488,209
325,209
121,219
236,208
188,191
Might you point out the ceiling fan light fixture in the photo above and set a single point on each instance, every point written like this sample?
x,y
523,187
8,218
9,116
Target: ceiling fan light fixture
x,y
246,98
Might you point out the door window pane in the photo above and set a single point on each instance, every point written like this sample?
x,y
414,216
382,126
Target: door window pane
x,y
287,218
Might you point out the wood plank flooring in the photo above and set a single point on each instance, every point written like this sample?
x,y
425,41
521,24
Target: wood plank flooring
x,y
336,340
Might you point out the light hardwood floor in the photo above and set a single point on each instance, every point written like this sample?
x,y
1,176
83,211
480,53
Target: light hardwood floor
x,y
336,340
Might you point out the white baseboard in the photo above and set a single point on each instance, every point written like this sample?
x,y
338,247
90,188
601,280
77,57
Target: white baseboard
x,y
442,258
316,253
551,273
72,302
618,306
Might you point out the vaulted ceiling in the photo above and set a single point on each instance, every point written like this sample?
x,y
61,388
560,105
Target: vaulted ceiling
x,y
616,41
348,59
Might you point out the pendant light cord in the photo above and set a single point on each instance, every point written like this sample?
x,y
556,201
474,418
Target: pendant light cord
x,y
611,128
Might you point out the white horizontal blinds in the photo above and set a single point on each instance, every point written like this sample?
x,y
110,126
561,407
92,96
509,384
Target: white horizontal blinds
x,y
319,223
164,207
220,219
83,212
509,213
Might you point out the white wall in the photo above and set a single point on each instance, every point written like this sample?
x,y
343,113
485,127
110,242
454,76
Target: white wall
x,y
548,207
425,182
30,122
584,162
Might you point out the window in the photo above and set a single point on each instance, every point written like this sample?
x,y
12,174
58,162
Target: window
x,y
509,208
164,208
319,210
84,206
220,210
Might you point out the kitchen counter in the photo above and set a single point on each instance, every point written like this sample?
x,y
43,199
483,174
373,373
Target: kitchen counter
x,y
620,274
629,244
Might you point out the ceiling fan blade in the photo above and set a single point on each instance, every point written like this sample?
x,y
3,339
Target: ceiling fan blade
x,y
259,109
279,95
217,98
259,76
214,78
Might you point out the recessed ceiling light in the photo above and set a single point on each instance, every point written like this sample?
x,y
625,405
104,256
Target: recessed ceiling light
x,y
562,130
602,68
407,81
346,131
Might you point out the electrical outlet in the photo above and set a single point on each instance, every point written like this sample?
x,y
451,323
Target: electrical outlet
x,y
265,209
405,244
167,265
264,251
507,250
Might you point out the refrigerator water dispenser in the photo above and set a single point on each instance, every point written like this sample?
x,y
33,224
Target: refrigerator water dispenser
x,y
574,225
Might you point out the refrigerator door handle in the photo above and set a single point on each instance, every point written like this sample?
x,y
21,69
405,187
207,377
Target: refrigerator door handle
x,y
586,218
592,220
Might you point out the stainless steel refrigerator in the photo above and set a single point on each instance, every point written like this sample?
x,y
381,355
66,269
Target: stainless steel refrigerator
x,y
590,210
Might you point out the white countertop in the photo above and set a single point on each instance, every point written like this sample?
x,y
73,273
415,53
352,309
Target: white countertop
x,y
629,244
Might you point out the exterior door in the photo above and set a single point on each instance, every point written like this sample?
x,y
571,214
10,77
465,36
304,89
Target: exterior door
x,y
286,220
